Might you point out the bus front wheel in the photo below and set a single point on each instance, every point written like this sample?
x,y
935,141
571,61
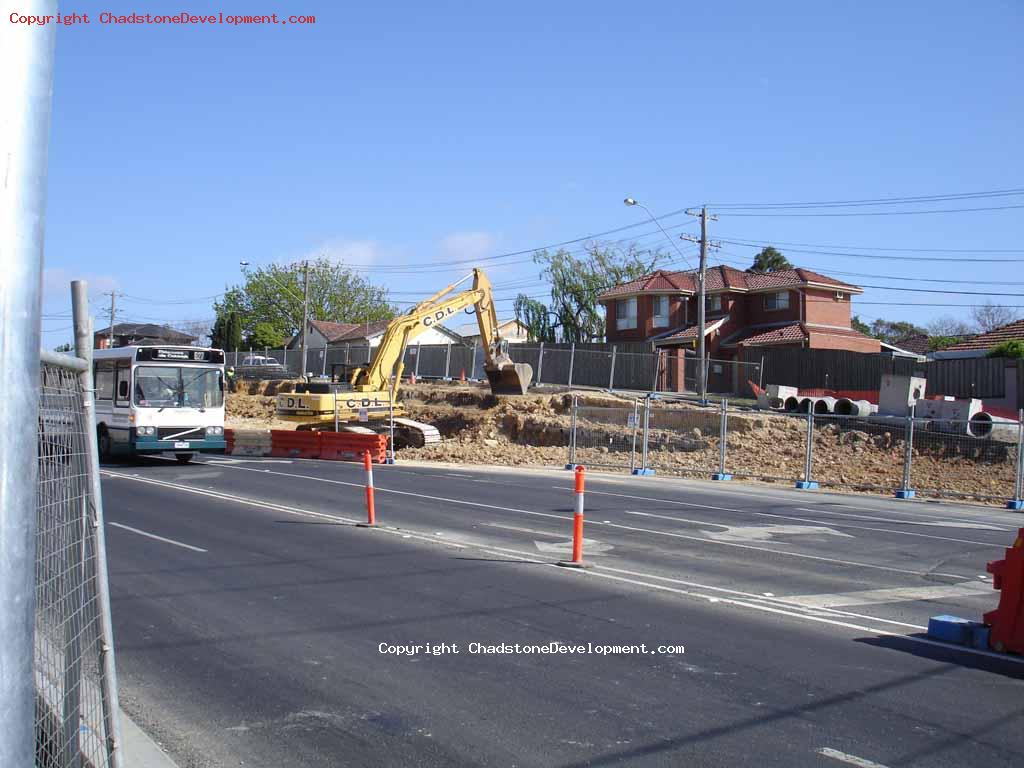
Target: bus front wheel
x,y
183,458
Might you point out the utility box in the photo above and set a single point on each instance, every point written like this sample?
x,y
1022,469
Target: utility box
x,y
898,393
775,396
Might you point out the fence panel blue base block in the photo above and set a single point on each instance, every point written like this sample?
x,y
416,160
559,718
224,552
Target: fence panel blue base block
x,y
721,476
571,466
1017,504
905,493
807,485
952,629
389,460
979,638
644,472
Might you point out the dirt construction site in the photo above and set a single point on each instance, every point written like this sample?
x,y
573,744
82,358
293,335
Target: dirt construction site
x,y
683,439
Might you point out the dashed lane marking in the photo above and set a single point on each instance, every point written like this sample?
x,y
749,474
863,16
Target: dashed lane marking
x,y
849,759
892,595
149,535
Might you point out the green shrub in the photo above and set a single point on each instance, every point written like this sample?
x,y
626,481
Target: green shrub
x,y
1011,348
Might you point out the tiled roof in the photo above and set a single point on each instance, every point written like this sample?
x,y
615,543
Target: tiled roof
x,y
1008,332
918,344
722,278
689,333
363,330
332,331
781,334
146,331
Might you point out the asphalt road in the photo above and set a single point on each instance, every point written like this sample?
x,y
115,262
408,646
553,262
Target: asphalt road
x,y
250,614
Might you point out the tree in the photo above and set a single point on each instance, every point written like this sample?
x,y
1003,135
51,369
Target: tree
x,y
1011,348
948,325
989,316
263,336
573,313
67,346
273,295
892,331
198,328
769,260
859,325
227,331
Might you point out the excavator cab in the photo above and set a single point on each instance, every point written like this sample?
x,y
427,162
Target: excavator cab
x,y
506,376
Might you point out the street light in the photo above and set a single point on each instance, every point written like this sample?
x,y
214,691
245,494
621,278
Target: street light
x,y
702,350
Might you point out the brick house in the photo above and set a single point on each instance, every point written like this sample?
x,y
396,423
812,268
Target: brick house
x,y
745,313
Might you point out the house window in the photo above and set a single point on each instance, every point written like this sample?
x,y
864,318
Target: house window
x,y
659,311
713,303
625,314
778,300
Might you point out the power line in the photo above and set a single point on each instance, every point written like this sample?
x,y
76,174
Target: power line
x,y
995,193
882,213
875,247
850,254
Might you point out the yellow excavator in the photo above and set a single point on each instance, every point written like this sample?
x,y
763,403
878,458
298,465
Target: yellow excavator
x,y
367,396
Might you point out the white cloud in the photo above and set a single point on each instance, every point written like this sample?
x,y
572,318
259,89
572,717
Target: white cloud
x,y
468,245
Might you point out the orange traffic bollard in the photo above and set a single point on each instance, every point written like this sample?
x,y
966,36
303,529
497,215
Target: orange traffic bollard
x,y
462,376
577,524
371,517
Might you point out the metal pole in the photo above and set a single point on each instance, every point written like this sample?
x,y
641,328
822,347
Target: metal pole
x,y
572,359
657,369
809,453
572,434
722,432
702,389
647,432
113,311
419,354
391,421
108,673
447,360
611,375
305,313
540,360
908,453
1018,486
323,367
26,59
472,365
636,424
285,363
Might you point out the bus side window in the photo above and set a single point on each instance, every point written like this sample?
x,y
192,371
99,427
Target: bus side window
x,y
123,375
104,377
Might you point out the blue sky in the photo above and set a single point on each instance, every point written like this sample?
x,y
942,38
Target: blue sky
x,y
394,135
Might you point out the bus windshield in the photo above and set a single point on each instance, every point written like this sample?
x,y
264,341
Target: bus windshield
x,y
178,387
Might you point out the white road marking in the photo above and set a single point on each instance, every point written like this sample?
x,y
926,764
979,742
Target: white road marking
x,y
767,532
671,534
606,572
520,529
158,538
894,521
893,595
843,757
789,517
590,547
235,460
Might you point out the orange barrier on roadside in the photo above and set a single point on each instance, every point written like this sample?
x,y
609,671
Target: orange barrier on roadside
x,y
1007,621
350,446
289,444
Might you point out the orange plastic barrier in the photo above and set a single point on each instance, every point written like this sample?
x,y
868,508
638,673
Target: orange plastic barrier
x,y
350,446
288,444
1007,621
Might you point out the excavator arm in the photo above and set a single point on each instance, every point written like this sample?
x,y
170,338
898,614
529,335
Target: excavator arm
x,y
505,376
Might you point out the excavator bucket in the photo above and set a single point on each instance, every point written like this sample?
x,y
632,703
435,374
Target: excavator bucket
x,y
511,379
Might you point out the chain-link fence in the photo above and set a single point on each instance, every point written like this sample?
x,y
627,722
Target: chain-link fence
x,y
76,704
978,459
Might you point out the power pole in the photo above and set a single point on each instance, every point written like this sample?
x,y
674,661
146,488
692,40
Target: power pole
x,y
113,314
702,367
305,313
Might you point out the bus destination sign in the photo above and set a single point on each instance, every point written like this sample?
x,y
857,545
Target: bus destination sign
x,y
181,354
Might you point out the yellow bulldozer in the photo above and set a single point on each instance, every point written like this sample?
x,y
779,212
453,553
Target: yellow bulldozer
x,y
365,398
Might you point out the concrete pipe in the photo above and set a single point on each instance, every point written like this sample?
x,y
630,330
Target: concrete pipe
x,y
806,404
986,426
846,407
791,404
825,405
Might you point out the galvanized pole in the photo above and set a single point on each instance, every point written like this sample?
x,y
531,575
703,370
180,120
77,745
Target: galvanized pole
x,y
419,354
722,432
447,361
305,314
702,385
611,374
572,436
572,359
26,59
657,370
472,365
905,492
809,452
285,363
540,361
647,432
108,672
1018,487
636,425
391,421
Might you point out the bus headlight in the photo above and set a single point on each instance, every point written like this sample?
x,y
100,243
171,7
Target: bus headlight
x,y
146,431
214,431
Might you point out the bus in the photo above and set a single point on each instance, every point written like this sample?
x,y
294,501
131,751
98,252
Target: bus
x,y
159,399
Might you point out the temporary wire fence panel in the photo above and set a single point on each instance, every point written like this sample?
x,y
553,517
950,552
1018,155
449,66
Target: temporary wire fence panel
x,y
683,440
964,459
766,446
854,452
606,436
73,713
